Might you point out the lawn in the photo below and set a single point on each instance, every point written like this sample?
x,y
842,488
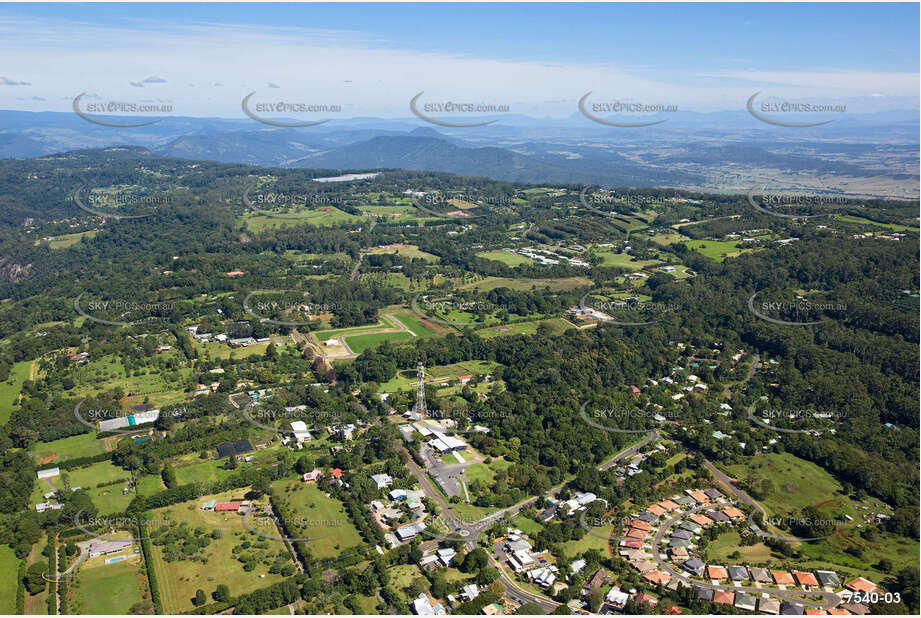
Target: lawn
x,y
9,569
360,343
485,472
470,513
179,580
316,515
10,388
728,543
68,240
512,259
407,251
108,588
149,485
82,445
411,321
220,351
590,541
797,484
555,285
204,472
326,215
527,525
717,250
108,499
623,260
557,327
890,226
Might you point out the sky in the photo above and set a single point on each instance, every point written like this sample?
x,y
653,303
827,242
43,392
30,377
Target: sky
x,y
536,59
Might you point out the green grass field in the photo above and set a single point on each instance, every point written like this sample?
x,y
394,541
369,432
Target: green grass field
x,y
109,499
149,485
486,472
305,503
557,326
407,251
68,240
729,543
590,541
108,588
411,321
717,250
206,471
526,525
565,284
9,569
82,445
360,343
10,389
179,580
326,215
512,259
889,226
622,260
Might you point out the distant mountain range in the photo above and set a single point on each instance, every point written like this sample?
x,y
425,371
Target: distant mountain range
x,y
682,152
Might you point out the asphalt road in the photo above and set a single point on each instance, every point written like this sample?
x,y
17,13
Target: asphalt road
x,y
652,436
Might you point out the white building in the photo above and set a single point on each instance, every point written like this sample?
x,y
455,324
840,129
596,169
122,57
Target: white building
x,y
47,473
300,431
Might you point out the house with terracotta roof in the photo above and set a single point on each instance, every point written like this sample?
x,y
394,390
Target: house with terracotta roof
x,y
657,577
723,597
656,510
733,512
860,585
228,506
717,572
815,611
632,544
668,505
701,519
647,598
805,579
336,473
642,525
782,578
699,496
636,533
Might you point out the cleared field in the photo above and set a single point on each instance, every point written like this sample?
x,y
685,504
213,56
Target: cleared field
x,y
407,251
68,240
798,483
108,372
307,504
179,580
150,485
411,321
667,238
717,250
9,568
222,351
82,445
108,588
323,216
622,260
485,472
895,227
557,326
526,525
512,259
590,541
730,544
10,389
207,471
565,284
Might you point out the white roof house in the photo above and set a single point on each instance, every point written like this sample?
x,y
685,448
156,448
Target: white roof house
x,y
382,480
470,591
48,473
300,431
